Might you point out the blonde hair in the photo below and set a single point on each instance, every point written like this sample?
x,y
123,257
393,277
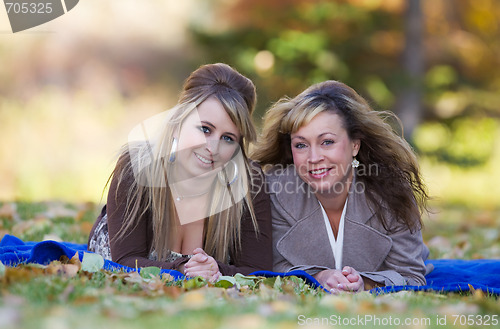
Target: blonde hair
x,y
397,181
148,162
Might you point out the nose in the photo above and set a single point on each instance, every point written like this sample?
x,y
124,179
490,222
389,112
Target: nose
x,y
315,155
213,146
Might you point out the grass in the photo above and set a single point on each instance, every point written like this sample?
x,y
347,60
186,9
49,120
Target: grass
x,y
62,295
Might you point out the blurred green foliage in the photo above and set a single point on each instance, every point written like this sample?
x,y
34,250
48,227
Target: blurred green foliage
x,y
287,45
466,141
69,99
360,43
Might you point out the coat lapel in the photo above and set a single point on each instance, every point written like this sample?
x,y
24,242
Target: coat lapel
x,y
365,248
307,243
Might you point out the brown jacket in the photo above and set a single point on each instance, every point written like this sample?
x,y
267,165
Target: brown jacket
x,y
133,250
300,240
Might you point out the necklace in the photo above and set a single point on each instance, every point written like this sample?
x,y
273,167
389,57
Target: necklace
x,y
182,197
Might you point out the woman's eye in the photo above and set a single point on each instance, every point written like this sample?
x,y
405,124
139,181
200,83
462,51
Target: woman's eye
x,y
300,145
328,142
204,129
228,139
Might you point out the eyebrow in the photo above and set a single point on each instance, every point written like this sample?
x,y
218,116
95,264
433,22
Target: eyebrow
x,y
213,127
319,136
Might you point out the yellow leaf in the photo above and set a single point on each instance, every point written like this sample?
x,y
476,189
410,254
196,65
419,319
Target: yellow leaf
x,y
75,260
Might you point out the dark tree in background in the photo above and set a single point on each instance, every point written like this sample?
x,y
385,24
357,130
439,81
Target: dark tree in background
x,y
409,99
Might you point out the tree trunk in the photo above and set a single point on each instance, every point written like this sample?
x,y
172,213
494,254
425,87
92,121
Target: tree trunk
x,y
409,100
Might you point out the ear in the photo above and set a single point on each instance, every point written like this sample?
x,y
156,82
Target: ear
x,y
356,144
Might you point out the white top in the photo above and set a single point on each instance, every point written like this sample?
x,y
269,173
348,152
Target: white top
x,y
337,245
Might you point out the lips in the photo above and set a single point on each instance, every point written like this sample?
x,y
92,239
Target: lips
x,y
319,173
204,160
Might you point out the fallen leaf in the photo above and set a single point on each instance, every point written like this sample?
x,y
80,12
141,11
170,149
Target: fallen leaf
x,y
193,283
76,260
92,262
172,291
150,272
225,282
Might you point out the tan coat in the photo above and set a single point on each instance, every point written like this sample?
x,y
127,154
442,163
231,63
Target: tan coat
x,y
300,240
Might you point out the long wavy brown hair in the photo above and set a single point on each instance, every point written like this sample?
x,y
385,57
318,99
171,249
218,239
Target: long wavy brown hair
x,y
397,183
148,163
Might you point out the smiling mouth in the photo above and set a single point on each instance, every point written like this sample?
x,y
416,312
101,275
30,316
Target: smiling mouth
x,y
319,171
203,159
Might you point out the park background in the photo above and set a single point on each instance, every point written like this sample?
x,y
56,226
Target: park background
x,y
72,89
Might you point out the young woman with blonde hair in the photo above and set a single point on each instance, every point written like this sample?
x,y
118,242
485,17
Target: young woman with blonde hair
x,y
185,196
346,191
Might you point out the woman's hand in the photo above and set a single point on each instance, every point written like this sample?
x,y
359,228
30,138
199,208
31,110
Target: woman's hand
x,y
336,281
355,284
202,265
332,280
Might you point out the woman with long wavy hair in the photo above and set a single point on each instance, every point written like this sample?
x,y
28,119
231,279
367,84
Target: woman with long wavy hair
x,y
185,196
346,191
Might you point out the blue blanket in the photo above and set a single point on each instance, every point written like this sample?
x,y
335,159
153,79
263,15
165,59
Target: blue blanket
x,y
449,275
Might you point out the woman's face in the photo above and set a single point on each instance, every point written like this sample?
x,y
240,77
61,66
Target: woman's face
x,y
322,153
207,140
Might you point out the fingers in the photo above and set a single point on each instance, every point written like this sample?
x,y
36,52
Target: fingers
x,y
198,258
354,280
203,273
354,287
215,277
199,251
210,275
348,270
334,281
201,265
351,274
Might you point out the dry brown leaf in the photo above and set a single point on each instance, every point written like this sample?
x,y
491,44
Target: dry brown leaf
x,y
67,270
172,291
76,260
21,273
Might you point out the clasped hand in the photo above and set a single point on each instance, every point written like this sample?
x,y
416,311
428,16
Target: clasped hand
x,y
201,264
336,281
